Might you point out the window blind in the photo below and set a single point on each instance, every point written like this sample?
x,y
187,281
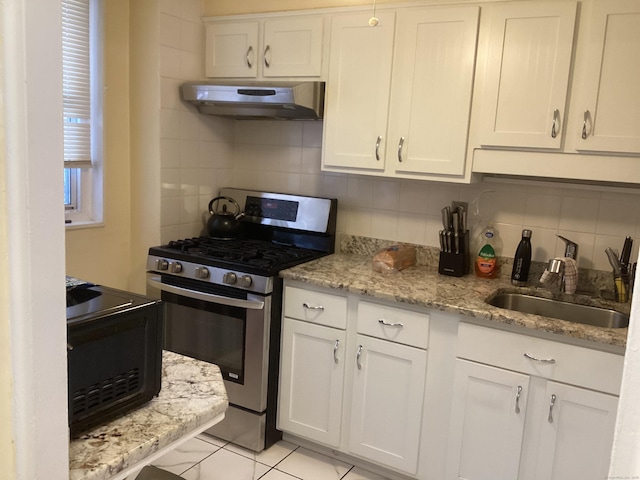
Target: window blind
x,y
76,82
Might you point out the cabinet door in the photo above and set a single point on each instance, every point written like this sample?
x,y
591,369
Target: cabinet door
x,y
293,47
386,412
311,381
487,422
357,96
528,64
231,49
434,62
576,434
611,99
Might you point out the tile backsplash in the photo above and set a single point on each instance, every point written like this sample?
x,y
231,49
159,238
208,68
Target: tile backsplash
x,y
284,156
201,154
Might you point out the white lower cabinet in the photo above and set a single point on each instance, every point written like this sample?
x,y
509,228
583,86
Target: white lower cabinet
x,y
372,408
508,424
356,376
312,377
487,422
386,407
312,365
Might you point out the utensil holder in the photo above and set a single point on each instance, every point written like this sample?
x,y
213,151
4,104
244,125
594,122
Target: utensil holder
x,y
456,264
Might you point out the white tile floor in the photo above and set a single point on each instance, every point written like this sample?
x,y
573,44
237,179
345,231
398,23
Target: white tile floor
x,y
209,458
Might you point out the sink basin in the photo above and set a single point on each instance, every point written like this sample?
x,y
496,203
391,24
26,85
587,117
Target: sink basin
x,y
572,312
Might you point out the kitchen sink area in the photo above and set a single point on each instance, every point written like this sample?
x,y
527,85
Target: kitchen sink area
x,y
562,309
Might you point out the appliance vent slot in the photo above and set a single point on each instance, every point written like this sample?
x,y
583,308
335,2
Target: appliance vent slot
x,y
105,392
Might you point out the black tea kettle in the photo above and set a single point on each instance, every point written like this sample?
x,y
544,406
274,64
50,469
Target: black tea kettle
x,y
222,223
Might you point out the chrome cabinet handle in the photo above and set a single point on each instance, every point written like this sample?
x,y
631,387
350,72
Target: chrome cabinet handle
x,y
266,61
585,118
309,307
335,351
359,354
249,51
382,321
378,140
551,404
400,144
556,120
549,361
519,391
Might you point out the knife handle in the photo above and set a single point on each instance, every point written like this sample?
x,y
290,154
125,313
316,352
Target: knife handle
x,y
626,251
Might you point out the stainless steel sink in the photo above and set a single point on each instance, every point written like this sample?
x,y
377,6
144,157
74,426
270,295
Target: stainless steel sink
x,y
572,312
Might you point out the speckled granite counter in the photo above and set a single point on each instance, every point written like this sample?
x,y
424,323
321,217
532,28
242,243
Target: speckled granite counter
x,y
192,398
423,286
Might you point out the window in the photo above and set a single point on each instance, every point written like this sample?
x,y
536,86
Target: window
x,y
82,110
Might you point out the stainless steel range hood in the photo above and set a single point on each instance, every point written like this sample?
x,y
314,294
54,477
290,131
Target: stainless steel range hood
x,y
284,101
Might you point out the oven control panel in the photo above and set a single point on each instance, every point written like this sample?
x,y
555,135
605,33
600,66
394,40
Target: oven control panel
x,y
299,212
209,274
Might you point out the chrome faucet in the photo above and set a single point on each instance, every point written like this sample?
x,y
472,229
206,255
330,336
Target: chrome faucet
x,y
558,268
570,249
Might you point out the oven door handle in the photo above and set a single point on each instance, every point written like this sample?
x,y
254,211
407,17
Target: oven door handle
x,y
205,297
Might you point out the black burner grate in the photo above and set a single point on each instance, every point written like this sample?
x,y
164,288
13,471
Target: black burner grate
x,y
243,252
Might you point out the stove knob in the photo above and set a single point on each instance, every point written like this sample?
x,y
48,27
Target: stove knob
x,y
229,278
202,272
245,281
162,264
175,267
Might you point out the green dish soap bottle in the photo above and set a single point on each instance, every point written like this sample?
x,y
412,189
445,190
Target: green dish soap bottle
x,y
486,265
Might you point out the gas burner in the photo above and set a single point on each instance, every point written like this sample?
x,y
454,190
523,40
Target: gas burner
x,y
258,254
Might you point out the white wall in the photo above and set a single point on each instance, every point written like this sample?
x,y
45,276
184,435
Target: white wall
x,y
101,253
285,156
195,150
34,442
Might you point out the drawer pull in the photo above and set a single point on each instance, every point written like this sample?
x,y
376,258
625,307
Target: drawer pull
x,y
335,351
548,361
387,324
518,399
359,354
309,307
551,404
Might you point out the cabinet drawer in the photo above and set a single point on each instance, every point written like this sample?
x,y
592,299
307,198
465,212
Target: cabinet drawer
x,y
571,364
395,324
316,307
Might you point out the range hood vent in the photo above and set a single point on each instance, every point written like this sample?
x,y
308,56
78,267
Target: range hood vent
x,y
282,101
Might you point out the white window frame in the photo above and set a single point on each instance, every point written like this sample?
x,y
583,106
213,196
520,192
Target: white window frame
x,y
86,206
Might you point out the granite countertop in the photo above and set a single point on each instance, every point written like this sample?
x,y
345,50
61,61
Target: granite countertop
x,y
424,286
192,398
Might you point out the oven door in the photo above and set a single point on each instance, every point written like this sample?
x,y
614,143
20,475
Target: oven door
x,y
220,325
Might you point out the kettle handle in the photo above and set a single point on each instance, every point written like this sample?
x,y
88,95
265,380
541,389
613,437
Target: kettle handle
x,y
229,199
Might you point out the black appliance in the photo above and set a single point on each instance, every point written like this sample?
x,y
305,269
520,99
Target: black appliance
x,y
114,352
223,300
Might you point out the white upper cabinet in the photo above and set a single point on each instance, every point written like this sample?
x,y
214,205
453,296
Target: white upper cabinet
x,y
230,49
399,94
607,115
357,95
278,47
527,74
431,90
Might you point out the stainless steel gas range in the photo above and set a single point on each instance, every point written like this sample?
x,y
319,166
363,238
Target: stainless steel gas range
x,y
223,300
